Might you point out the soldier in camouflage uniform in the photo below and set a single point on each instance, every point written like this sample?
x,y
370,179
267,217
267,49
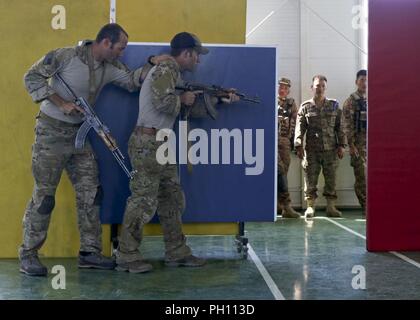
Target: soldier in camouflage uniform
x,y
86,69
287,112
320,120
355,124
156,187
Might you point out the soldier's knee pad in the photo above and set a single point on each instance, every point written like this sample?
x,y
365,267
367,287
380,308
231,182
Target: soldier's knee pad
x,y
99,196
47,205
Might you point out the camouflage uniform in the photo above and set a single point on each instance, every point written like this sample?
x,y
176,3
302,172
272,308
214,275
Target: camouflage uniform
x,y
355,124
287,112
156,187
322,126
54,151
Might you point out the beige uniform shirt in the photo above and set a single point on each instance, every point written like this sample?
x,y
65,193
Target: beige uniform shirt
x,y
321,125
73,65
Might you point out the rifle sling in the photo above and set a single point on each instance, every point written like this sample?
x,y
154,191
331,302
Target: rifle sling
x,y
93,89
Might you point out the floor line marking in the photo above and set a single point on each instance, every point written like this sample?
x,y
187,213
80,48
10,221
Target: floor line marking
x,y
397,254
405,258
266,276
343,227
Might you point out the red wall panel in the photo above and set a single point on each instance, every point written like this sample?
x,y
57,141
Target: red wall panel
x,y
394,125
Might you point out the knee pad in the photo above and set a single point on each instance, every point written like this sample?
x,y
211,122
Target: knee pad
x,y
47,205
98,197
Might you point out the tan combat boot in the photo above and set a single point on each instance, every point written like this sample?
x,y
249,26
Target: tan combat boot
x,y
310,211
288,212
332,210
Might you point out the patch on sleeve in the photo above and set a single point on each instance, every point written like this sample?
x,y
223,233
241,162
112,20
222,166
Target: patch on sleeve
x,y
48,58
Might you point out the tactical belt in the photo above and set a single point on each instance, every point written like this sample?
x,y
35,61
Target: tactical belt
x,y
144,130
56,122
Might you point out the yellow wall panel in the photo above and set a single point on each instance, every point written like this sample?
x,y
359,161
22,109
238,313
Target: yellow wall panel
x,y
211,228
27,34
215,21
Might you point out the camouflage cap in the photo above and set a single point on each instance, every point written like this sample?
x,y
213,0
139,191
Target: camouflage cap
x,y
188,40
285,81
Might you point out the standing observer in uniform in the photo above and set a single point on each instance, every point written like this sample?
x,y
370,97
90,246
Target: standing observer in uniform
x,y
287,112
86,69
355,124
319,119
156,186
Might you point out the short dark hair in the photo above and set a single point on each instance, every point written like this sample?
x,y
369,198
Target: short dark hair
x,y
361,73
175,52
319,77
111,31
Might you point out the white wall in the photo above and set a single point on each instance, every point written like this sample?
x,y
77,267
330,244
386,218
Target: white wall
x,y
314,36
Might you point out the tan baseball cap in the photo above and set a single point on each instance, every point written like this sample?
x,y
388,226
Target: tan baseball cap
x,y
285,81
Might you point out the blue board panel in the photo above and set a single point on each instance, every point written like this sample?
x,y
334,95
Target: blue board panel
x,y
214,193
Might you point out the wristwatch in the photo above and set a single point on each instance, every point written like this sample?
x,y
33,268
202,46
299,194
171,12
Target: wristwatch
x,y
149,60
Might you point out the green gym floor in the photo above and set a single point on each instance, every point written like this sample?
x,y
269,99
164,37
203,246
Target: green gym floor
x,y
289,259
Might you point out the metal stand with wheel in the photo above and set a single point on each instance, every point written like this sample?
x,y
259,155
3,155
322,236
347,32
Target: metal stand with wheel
x,y
242,241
